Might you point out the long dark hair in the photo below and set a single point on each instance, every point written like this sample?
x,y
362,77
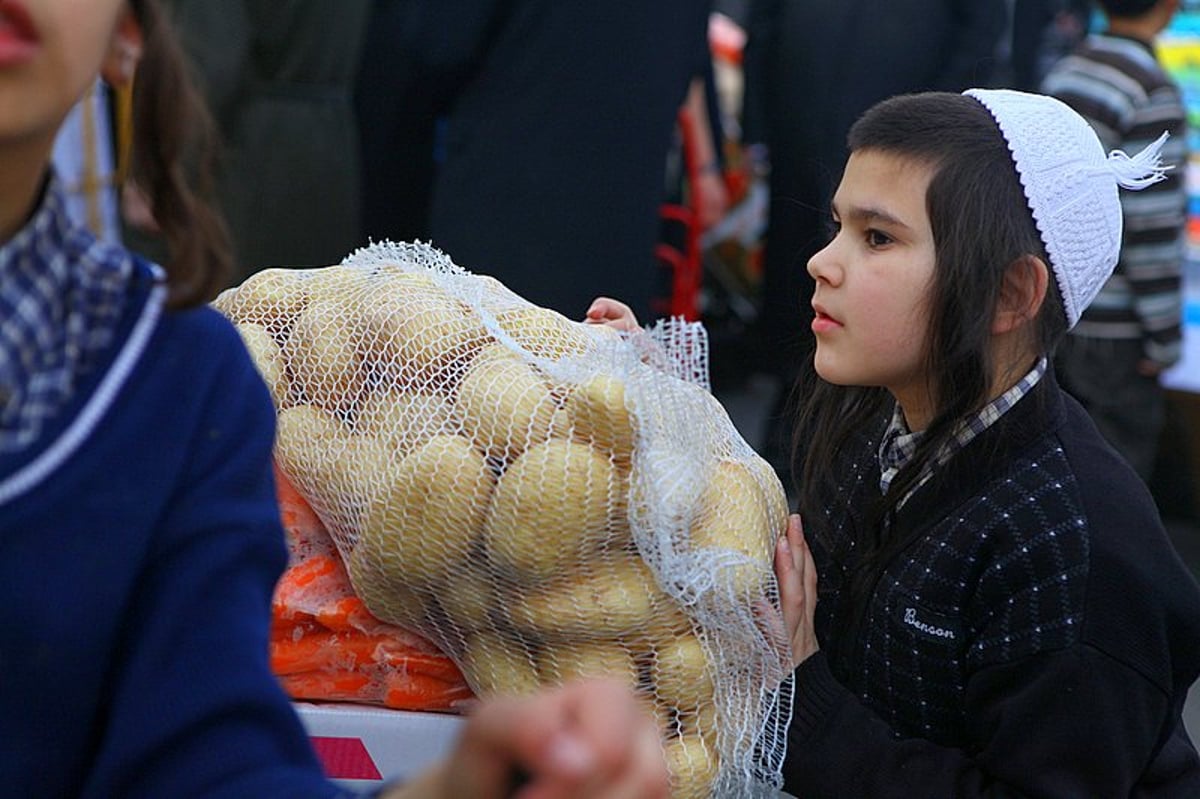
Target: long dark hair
x,y
172,161
981,224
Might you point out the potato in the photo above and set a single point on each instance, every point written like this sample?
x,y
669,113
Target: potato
x,y
682,673
425,521
367,470
776,497
553,506
703,721
416,329
693,765
503,403
588,658
268,359
272,298
309,443
733,515
543,332
494,665
341,471
670,621
323,353
405,419
392,601
612,598
346,284
469,597
596,408
560,424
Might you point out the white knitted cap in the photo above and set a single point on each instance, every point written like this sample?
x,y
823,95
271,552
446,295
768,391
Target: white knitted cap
x,y
1071,186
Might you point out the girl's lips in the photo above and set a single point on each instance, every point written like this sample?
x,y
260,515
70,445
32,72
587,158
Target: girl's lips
x,y
18,37
823,322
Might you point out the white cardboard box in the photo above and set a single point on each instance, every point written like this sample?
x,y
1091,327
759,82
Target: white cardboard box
x,y
361,746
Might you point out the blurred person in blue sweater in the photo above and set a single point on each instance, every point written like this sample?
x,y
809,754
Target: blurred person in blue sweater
x,y
141,539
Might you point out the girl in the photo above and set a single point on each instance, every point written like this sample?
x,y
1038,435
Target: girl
x,y
984,601
139,536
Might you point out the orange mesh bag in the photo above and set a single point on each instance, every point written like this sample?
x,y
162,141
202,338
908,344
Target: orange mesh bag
x,y
540,498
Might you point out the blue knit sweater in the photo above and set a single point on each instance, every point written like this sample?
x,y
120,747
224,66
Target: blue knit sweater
x,y
139,545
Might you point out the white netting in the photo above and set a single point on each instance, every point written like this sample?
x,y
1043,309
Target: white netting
x,y
542,498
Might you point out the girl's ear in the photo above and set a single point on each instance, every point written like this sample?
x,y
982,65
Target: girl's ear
x,y
1021,295
125,51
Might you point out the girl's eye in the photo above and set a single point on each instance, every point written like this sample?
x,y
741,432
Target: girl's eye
x,y
877,238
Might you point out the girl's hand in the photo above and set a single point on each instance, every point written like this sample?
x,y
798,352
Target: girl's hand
x,y
797,577
612,313
590,739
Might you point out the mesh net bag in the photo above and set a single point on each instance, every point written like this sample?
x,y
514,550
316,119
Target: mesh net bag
x,y
543,499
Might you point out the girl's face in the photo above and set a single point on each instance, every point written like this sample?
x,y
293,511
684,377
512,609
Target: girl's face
x,y
873,281
50,52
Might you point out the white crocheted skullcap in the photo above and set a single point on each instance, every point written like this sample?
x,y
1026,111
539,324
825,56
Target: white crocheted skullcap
x,y
1071,186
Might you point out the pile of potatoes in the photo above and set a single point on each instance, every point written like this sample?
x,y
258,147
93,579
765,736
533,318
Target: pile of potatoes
x,y
485,503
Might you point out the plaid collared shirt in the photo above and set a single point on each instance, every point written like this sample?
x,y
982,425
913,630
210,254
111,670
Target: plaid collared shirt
x,y
62,294
898,444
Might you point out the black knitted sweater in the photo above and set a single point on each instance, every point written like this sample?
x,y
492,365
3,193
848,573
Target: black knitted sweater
x,y
1033,634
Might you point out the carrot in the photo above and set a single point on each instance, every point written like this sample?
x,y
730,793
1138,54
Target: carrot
x,y
294,629
330,651
335,686
304,586
294,511
427,665
421,692
345,613
307,572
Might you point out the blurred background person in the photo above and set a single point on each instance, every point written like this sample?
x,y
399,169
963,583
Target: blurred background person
x,y
279,79
398,111
1133,331
1042,31
552,124
811,67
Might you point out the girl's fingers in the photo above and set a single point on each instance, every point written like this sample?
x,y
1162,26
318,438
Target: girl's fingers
x,y
617,749
616,314
789,572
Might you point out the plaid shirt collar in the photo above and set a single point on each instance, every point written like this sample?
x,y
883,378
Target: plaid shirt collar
x,y
898,444
62,295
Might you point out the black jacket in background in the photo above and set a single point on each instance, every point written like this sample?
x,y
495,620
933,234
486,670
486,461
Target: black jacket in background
x,y
559,115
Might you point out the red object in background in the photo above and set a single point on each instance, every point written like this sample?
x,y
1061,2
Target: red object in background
x,y
685,261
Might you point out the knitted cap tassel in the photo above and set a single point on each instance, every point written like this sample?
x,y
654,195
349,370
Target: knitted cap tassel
x,y
1142,170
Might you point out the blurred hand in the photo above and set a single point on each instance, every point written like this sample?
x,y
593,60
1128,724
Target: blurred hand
x,y
797,577
590,739
612,313
712,198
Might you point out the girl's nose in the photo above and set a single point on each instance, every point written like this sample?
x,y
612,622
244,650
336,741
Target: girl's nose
x,y
822,266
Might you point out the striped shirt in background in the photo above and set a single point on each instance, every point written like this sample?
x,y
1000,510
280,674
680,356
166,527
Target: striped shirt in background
x,y
1122,90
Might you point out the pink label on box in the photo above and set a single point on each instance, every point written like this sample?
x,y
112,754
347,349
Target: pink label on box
x,y
345,758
